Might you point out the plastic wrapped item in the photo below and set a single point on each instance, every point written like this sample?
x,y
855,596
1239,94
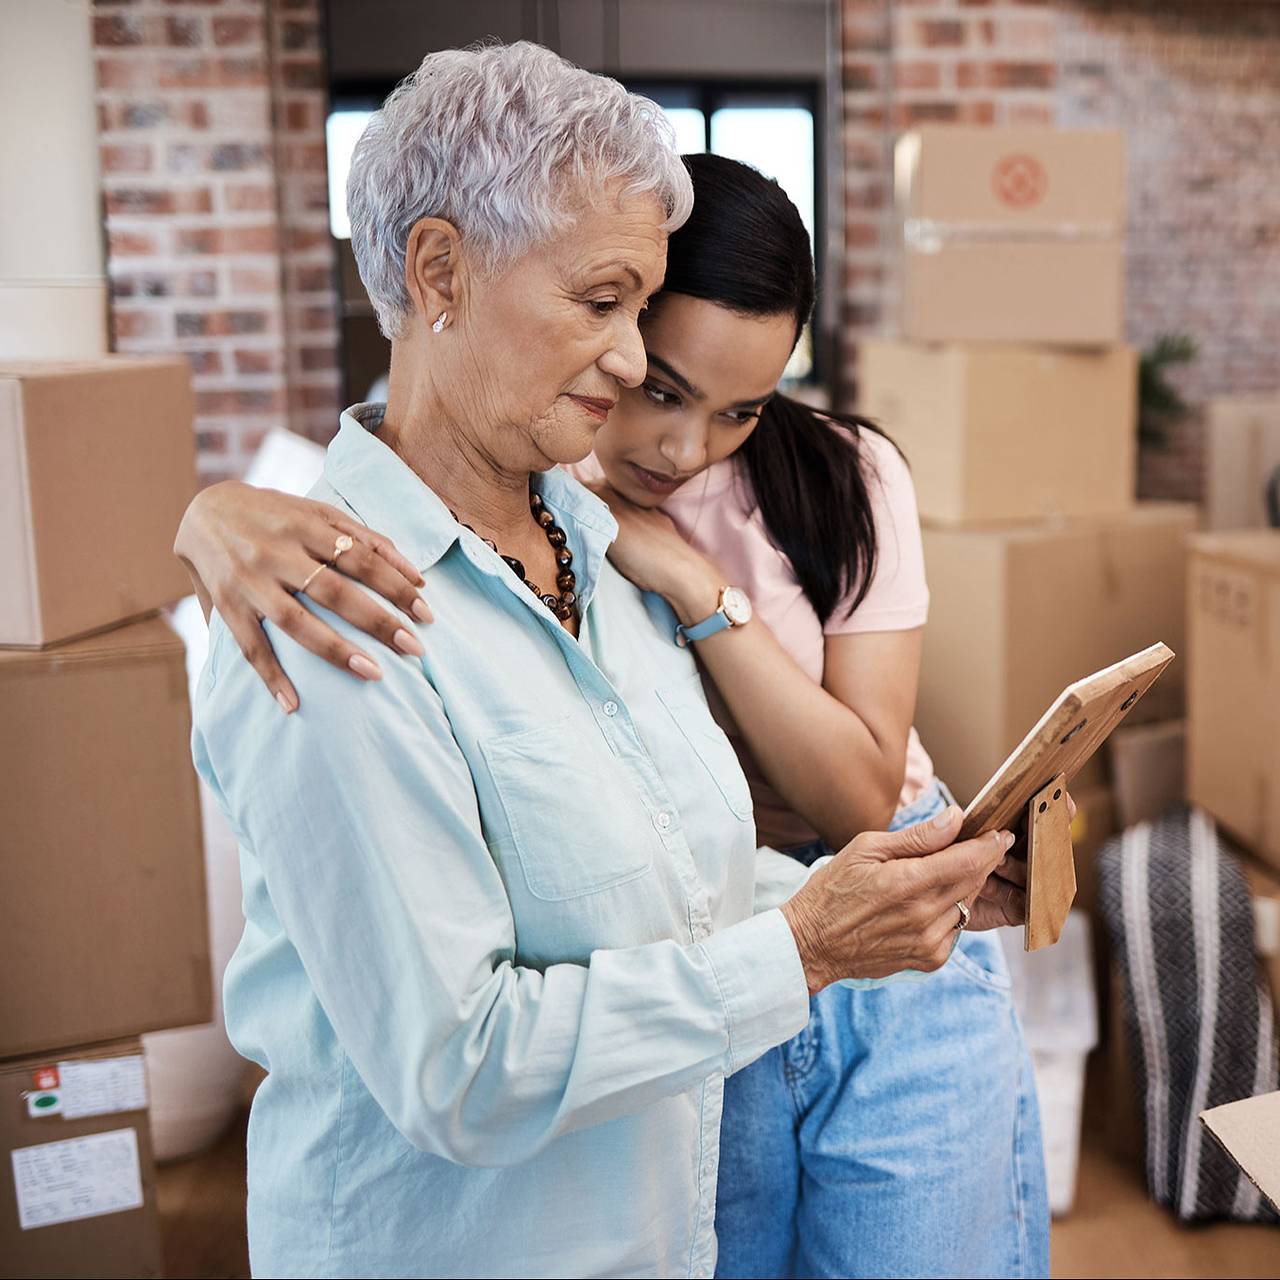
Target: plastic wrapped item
x,y
1057,1002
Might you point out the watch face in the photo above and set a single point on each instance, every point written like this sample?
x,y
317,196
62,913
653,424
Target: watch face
x,y
736,606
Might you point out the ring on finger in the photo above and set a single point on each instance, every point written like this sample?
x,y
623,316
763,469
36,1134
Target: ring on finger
x,y
963,922
311,577
343,543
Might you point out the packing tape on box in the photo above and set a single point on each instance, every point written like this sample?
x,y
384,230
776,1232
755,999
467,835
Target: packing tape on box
x,y
929,235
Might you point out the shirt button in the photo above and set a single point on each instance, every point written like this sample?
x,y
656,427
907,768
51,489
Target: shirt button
x,y
663,821
610,708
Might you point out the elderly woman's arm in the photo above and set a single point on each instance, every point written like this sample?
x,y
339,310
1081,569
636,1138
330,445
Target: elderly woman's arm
x,y
361,811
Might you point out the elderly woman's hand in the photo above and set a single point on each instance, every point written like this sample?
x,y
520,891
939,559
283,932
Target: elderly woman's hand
x,y
888,901
250,550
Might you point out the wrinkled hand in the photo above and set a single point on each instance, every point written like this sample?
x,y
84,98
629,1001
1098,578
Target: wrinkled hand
x,y
887,901
249,551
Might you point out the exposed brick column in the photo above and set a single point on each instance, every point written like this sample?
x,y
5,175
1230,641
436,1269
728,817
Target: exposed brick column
x,y
313,380
1196,87
198,209
866,69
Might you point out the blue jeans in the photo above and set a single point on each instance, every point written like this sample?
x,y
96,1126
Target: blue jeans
x,y
897,1135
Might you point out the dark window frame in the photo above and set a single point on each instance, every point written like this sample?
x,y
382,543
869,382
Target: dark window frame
x,y
705,93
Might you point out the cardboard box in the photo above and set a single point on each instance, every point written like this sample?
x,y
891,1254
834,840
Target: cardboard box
x,y
1148,769
1012,234
1233,685
998,432
1242,453
1019,612
103,923
1264,888
76,1176
97,465
1093,825
1249,1132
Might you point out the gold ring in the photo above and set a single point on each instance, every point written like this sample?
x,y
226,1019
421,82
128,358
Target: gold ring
x,y
344,543
311,577
963,922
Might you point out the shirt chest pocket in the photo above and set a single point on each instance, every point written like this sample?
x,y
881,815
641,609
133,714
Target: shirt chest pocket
x,y
576,826
686,705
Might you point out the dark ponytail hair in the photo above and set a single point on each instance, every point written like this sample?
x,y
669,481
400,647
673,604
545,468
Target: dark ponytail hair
x,y
745,248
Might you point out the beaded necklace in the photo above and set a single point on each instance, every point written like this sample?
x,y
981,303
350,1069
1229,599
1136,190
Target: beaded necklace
x,y
564,605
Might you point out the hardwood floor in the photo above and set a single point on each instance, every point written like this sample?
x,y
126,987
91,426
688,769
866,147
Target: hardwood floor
x,y
202,1212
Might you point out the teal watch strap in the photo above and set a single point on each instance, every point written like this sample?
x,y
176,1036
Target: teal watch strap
x,y
701,630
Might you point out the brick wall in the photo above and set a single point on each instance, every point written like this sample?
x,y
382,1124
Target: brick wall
x,y
211,118
1195,87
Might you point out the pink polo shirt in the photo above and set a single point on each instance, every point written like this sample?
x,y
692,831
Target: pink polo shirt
x,y
717,512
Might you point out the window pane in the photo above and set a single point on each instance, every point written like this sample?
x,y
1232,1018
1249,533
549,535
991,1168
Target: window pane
x,y
690,126
777,140
341,131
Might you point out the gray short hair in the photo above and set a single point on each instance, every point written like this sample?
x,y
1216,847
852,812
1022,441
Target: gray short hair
x,y
485,137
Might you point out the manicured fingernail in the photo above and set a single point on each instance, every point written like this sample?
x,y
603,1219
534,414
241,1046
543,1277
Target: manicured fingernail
x,y
407,643
944,818
287,705
364,667
420,610
1007,837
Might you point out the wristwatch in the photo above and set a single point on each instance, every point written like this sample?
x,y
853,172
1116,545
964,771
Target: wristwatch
x,y
734,611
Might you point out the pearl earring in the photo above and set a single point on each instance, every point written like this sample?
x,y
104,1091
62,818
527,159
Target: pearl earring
x,y
441,320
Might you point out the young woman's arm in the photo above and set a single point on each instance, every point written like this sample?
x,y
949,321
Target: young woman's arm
x,y
249,550
836,752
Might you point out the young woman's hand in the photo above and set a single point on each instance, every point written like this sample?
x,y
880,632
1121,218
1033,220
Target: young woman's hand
x,y
249,551
652,553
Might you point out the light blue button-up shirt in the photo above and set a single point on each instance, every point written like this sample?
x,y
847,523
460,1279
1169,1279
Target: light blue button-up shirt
x,y
507,928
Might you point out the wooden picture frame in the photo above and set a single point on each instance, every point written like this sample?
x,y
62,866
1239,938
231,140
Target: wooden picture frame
x,y
1070,731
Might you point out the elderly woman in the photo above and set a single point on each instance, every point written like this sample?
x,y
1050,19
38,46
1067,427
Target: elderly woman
x,y
507,928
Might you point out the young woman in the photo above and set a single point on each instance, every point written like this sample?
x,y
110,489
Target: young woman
x,y
898,1133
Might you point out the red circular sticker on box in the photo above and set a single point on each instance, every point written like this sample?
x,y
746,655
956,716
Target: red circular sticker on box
x,y
45,1078
1019,181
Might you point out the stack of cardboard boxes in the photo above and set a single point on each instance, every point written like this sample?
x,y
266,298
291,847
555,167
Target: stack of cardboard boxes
x,y
103,928
1014,399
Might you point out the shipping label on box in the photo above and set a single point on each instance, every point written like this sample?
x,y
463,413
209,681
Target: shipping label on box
x,y
1011,234
77,1178
77,1191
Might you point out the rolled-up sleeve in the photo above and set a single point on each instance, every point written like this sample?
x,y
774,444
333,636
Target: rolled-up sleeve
x,y
361,811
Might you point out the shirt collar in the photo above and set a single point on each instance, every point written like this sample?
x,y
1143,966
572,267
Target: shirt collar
x,y
387,495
